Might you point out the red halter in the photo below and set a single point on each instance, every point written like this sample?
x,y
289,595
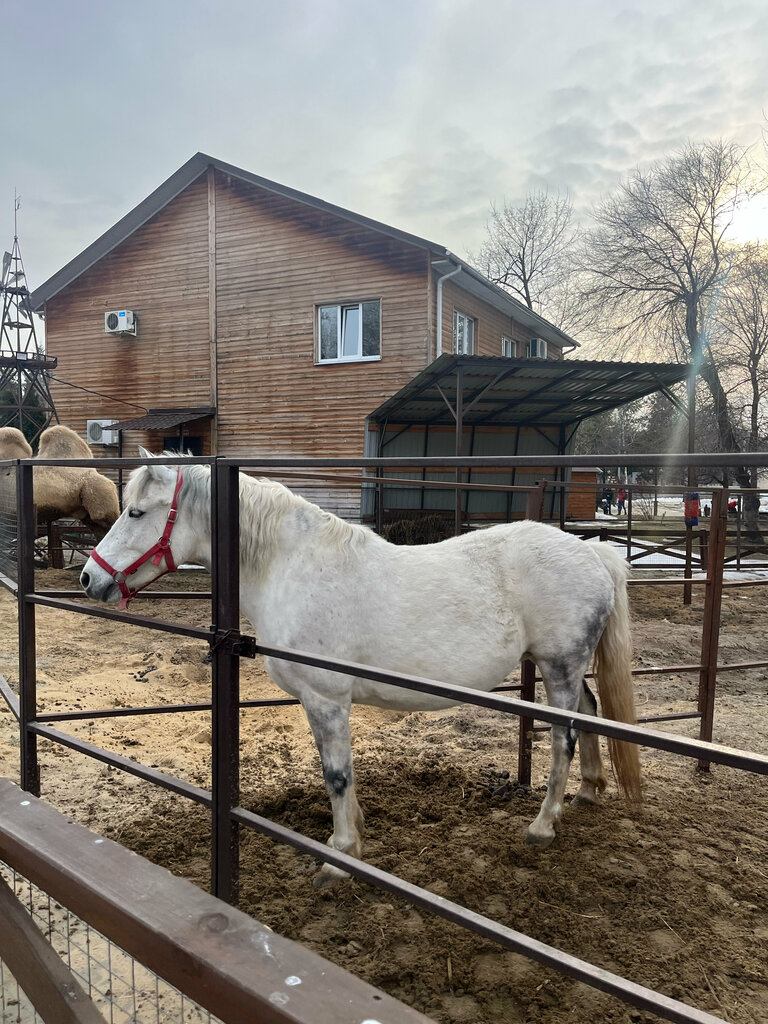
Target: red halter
x,y
159,551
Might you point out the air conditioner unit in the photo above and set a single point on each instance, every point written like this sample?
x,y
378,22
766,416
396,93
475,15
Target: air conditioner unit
x,y
96,433
537,348
120,321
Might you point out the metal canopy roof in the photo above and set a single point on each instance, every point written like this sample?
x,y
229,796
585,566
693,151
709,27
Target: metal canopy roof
x,y
161,419
499,391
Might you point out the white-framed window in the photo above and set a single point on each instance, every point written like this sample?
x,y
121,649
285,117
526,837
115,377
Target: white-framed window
x,y
508,347
349,331
463,334
537,348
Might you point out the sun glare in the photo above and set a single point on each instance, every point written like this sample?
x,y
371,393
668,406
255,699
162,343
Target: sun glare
x,y
750,223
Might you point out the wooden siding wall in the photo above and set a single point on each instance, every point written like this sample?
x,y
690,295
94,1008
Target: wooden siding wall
x,y
275,262
491,325
161,273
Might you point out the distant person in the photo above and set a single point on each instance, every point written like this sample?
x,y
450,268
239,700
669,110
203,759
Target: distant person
x,y
707,510
621,498
607,500
733,506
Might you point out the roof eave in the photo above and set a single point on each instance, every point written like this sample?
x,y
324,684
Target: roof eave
x,y
123,229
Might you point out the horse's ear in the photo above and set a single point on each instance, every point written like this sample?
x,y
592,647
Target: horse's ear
x,y
152,471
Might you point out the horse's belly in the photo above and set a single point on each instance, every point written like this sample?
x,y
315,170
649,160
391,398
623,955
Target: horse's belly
x,y
396,698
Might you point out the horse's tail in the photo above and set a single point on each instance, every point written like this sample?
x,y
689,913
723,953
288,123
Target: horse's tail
x,y
613,671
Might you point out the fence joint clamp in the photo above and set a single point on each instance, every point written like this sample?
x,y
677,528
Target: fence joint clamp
x,y
232,641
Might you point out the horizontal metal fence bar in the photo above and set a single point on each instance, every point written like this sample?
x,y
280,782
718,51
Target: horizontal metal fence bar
x,y
728,584
160,709
10,697
605,727
670,718
628,991
665,582
677,459
8,583
704,459
742,665
656,670
127,462
645,718
201,796
144,595
196,632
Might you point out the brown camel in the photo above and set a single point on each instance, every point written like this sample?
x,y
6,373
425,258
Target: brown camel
x,y
65,491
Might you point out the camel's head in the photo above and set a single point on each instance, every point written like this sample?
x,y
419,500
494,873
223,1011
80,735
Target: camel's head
x,y
152,536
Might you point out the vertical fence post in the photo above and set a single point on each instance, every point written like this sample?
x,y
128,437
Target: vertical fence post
x,y
525,740
225,770
688,570
27,530
379,501
711,631
628,507
534,507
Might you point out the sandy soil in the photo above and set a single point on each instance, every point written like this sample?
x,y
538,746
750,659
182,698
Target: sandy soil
x,y
673,895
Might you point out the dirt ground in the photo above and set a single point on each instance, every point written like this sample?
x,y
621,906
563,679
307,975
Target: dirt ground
x,y
673,895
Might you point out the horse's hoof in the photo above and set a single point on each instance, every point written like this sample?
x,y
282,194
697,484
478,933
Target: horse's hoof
x,y
532,839
328,876
580,800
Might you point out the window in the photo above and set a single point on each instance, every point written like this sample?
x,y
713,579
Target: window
x,y
463,334
347,332
508,347
537,348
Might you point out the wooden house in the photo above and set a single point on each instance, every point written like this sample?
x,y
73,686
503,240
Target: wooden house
x,y
236,316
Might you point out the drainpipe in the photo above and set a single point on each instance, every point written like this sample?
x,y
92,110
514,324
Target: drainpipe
x,y
439,340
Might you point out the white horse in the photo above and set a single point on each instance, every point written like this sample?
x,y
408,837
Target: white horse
x,y
462,611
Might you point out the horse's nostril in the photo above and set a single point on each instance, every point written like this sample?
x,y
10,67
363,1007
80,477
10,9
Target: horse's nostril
x,y
85,579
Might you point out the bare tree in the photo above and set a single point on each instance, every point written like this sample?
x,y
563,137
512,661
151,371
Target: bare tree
x,y
740,335
659,259
528,251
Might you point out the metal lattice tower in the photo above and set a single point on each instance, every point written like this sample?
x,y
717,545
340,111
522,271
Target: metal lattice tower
x,y
25,396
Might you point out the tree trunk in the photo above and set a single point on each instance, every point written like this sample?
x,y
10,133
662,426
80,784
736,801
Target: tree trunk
x,y
729,443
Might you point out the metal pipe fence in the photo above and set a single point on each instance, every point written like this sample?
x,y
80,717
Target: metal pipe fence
x,y
228,646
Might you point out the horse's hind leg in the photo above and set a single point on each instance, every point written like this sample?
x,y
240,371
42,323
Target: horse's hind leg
x,y
329,721
593,780
563,683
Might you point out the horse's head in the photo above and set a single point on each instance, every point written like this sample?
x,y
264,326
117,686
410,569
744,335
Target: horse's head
x,y
151,537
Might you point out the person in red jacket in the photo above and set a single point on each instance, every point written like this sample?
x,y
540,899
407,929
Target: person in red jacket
x,y
621,497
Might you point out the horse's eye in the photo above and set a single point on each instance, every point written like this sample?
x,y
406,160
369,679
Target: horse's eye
x,y
135,513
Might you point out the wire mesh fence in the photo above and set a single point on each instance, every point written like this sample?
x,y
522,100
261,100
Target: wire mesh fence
x,y
123,991
8,530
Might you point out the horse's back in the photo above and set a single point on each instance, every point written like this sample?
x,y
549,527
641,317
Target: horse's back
x,y
464,610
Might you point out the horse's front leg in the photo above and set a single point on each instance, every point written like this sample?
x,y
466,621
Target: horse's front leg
x,y
329,721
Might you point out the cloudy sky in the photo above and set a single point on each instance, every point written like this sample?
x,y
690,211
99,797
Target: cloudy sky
x,y
418,113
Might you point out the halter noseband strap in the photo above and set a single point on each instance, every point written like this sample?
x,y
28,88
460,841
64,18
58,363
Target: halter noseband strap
x,y
159,551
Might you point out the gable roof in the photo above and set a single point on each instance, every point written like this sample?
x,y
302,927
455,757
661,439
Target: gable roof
x,y
467,278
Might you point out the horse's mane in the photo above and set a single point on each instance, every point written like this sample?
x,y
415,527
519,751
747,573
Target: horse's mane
x,y
264,504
